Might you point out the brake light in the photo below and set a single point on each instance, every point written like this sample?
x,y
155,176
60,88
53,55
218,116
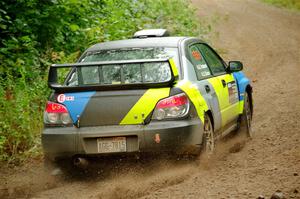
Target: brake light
x,y
56,114
55,108
176,106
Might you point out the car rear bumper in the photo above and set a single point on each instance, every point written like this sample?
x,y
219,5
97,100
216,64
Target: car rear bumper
x,y
182,136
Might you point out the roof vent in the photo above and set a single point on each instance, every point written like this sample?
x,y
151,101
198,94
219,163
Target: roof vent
x,y
151,33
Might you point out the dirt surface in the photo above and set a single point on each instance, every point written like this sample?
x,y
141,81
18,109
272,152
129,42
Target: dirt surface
x,y
267,40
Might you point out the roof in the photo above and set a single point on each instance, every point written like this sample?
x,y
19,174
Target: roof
x,y
138,43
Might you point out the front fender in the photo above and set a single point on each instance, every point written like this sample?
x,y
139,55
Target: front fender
x,y
242,83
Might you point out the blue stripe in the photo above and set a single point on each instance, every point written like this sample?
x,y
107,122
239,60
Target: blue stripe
x,y
78,104
242,82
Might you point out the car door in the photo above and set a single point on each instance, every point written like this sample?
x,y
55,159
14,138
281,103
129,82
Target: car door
x,y
202,81
224,84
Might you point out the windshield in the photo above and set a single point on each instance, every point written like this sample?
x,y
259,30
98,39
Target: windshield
x,y
131,54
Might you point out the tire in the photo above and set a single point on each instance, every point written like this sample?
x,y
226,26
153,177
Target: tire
x,y
246,118
208,141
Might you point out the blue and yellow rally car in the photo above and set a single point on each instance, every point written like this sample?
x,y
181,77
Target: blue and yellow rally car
x,y
150,93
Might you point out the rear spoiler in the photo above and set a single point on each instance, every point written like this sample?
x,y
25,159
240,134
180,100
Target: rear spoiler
x,y
52,76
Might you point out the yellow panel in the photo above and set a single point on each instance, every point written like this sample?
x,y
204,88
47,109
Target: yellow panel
x,y
221,94
241,107
174,68
234,109
195,96
231,112
145,105
227,109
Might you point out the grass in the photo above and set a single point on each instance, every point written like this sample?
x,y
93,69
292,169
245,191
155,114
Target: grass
x,y
290,4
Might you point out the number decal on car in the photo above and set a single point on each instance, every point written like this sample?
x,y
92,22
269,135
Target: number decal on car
x,y
196,55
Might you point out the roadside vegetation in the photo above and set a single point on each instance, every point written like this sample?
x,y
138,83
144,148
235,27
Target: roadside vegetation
x,y
290,4
36,33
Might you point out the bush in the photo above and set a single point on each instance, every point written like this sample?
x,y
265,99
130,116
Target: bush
x,y
35,33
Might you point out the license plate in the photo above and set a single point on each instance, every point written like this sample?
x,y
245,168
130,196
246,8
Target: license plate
x,y
111,145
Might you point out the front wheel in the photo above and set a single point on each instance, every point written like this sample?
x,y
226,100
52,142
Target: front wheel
x,y
246,118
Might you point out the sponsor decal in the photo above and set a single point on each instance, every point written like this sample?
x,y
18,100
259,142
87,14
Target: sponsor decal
x,y
62,98
205,73
201,66
232,92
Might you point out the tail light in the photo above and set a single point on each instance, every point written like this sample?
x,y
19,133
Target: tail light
x,y
56,114
176,106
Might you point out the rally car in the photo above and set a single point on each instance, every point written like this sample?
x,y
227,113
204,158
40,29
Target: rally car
x,y
151,93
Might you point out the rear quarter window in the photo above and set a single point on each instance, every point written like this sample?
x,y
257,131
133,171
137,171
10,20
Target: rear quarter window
x,y
199,64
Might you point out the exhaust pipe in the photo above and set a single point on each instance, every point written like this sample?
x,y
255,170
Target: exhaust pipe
x,y
80,162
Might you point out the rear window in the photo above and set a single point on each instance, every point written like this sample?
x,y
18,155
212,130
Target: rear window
x,y
152,72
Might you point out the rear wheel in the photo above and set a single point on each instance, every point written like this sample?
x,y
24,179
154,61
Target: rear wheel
x,y
208,142
246,118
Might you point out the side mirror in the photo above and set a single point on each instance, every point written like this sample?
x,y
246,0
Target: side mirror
x,y
235,66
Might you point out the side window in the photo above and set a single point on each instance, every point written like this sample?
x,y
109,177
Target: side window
x,y
215,63
200,66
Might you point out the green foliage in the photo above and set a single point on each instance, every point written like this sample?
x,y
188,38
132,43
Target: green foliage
x,y
36,33
20,113
290,4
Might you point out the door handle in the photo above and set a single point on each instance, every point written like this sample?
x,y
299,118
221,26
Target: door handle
x,y
207,88
224,83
